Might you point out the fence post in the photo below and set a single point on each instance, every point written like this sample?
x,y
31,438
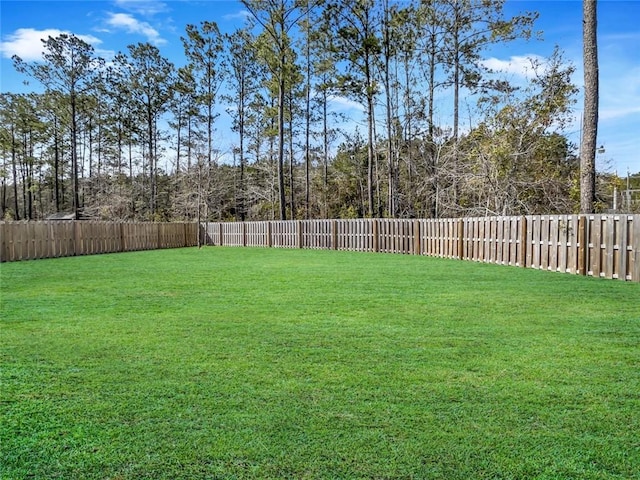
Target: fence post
x,y
523,242
299,233
76,238
334,234
416,237
376,235
244,234
460,239
582,245
634,250
3,241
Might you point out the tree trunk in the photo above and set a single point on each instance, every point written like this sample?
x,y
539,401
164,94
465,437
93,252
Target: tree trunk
x,y
590,115
74,157
281,191
370,154
291,161
456,73
325,154
387,87
307,127
56,163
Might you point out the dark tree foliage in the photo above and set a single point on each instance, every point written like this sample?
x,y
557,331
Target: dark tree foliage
x,y
138,138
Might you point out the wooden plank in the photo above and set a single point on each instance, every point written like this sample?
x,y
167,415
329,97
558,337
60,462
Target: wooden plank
x,y
334,234
554,236
595,245
445,237
376,234
483,248
528,242
3,242
570,248
498,249
507,240
561,243
16,251
476,253
583,249
426,236
393,236
470,239
244,234
16,241
493,237
633,247
460,239
609,246
523,247
488,240
545,232
626,226
535,242
6,231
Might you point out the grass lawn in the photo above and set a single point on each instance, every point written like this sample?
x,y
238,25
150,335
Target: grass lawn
x,y
267,363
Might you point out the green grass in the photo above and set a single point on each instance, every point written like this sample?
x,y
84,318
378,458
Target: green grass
x,y
267,363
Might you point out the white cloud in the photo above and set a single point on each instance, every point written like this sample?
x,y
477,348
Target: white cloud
x,y
27,42
124,21
518,65
142,7
343,103
615,113
241,15
619,91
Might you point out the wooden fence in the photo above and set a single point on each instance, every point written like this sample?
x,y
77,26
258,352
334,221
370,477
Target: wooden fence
x,y
596,245
48,239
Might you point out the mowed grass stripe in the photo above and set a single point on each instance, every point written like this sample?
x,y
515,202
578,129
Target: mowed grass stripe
x,y
269,363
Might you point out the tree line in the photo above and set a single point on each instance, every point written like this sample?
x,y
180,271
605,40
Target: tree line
x,y
136,137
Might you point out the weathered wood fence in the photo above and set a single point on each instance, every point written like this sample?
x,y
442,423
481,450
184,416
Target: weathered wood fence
x,y
596,245
48,239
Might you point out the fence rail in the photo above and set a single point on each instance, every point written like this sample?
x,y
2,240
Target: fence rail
x,y
48,239
596,245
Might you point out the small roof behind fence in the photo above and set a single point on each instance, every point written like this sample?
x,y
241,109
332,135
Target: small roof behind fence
x,y
61,216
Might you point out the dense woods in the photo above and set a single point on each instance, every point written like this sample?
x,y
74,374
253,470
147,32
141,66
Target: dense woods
x,y
137,137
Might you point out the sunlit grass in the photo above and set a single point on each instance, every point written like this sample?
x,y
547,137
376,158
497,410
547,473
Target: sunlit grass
x,y
267,363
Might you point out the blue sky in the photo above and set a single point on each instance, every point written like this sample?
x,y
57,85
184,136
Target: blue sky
x,y
111,25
